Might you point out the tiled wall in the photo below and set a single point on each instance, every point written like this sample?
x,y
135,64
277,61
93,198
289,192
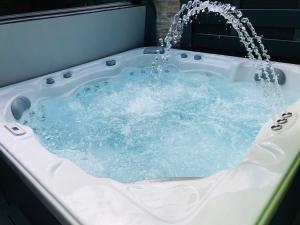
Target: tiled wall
x,y
165,10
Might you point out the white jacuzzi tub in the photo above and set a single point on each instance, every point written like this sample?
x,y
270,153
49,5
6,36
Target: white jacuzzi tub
x,y
247,194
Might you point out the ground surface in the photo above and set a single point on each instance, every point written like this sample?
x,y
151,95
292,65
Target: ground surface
x,y
297,219
10,214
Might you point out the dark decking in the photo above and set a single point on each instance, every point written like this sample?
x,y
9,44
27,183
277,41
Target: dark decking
x,y
10,214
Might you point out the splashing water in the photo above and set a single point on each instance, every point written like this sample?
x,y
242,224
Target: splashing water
x,y
247,35
134,127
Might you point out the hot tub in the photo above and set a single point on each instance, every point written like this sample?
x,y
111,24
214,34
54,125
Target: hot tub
x,y
245,192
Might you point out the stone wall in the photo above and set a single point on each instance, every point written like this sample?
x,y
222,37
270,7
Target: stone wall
x,y
165,10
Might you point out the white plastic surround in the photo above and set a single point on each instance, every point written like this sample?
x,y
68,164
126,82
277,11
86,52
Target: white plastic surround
x,y
233,197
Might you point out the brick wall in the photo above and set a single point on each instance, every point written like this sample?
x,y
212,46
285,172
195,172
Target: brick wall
x,y
165,10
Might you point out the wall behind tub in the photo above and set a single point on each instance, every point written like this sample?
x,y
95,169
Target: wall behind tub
x,y
32,48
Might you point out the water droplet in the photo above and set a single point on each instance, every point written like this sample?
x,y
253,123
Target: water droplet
x,y
239,14
245,20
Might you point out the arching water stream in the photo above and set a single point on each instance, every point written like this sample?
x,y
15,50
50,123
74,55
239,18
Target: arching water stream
x,y
247,35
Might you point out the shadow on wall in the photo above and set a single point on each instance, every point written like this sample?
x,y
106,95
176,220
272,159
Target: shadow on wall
x,y
8,7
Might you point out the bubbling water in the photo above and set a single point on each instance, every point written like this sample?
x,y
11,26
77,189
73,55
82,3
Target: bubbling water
x,y
134,127
247,35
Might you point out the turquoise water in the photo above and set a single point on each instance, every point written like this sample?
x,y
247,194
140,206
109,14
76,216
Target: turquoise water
x,y
139,125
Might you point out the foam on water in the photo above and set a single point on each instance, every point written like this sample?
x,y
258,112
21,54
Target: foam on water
x,y
140,125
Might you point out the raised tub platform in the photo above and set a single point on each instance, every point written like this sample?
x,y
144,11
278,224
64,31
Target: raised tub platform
x,y
247,194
